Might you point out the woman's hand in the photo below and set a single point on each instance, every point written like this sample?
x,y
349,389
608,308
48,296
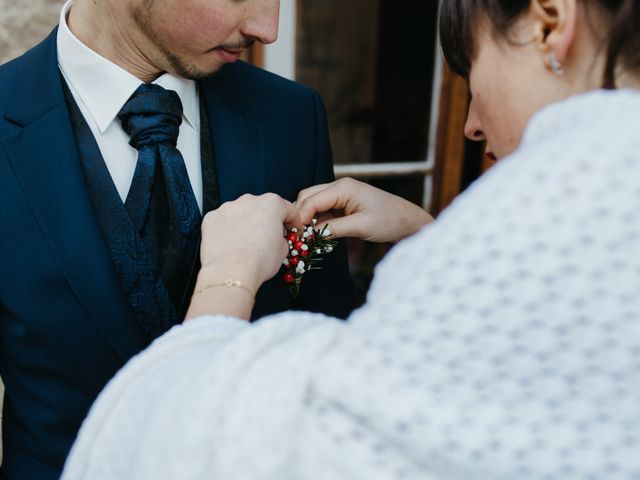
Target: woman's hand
x,y
356,209
242,241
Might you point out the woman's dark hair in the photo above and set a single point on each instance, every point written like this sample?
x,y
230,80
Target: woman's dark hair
x,y
459,19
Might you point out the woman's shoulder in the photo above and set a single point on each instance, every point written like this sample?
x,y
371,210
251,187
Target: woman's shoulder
x,y
588,117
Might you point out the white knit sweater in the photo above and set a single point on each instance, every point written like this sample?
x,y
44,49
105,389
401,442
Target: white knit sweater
x,y
501,342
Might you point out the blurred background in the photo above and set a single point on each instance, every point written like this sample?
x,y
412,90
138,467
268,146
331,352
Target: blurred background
x,y
395,112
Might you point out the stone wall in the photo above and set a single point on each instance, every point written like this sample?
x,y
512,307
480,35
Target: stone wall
x,y
23,23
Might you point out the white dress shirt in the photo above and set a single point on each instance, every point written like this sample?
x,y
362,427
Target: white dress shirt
x,y
101,88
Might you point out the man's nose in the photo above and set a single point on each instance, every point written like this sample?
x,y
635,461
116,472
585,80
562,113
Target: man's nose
x,y
473,127
262,21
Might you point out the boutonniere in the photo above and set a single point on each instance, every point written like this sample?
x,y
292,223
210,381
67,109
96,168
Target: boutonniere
x,y
305,253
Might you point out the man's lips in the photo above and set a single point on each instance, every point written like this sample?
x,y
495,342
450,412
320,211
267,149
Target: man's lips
x,y
231,52
230,55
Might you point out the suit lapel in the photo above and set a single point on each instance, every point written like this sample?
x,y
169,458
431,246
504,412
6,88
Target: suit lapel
x,y
237,143
44,158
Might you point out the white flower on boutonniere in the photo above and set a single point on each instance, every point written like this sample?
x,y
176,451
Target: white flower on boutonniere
x,y
305,253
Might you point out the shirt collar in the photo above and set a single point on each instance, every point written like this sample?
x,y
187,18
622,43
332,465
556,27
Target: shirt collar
x,y
103,86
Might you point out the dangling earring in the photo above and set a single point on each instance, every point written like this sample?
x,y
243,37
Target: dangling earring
x,y
555,65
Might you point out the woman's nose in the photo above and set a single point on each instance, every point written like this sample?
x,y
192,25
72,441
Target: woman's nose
x,y
473,127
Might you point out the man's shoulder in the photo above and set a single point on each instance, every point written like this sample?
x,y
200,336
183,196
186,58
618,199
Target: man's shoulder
x,y
28,60
25,68
9,73
247,82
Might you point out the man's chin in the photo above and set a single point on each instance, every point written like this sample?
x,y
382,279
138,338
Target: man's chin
x,y
192,71
201,74
198,74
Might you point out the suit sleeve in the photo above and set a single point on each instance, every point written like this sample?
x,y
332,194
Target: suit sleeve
x,y
329,290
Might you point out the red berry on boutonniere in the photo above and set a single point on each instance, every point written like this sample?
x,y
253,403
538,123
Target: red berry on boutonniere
x,y
305,253
292,237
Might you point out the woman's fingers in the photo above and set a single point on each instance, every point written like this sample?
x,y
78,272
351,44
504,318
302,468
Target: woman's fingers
x,y
342,227
307,192
324,198
369,213
325,217
288,212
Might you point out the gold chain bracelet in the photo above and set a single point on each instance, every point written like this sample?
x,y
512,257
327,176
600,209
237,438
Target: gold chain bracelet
x,y
229,283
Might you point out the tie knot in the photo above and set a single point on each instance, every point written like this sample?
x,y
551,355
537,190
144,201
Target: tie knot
x,y
152,115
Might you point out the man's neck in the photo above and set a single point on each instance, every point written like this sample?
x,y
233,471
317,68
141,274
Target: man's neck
x,y
111,38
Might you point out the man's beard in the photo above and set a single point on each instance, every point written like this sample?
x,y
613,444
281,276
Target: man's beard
x,y
184,69
178,65
190,71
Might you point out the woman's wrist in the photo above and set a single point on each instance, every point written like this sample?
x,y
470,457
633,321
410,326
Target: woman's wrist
x,y
422,218
409,221
222,300
215,272
224,289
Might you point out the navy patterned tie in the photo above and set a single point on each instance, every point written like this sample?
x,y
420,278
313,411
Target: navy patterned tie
x,y
161,202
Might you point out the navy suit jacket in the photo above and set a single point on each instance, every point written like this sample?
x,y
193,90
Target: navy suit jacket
x,y
65,325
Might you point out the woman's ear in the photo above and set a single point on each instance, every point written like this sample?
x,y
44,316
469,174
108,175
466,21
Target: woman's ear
x,y
554,26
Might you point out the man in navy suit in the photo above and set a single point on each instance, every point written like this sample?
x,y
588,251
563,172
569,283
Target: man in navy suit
x,y
83,287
